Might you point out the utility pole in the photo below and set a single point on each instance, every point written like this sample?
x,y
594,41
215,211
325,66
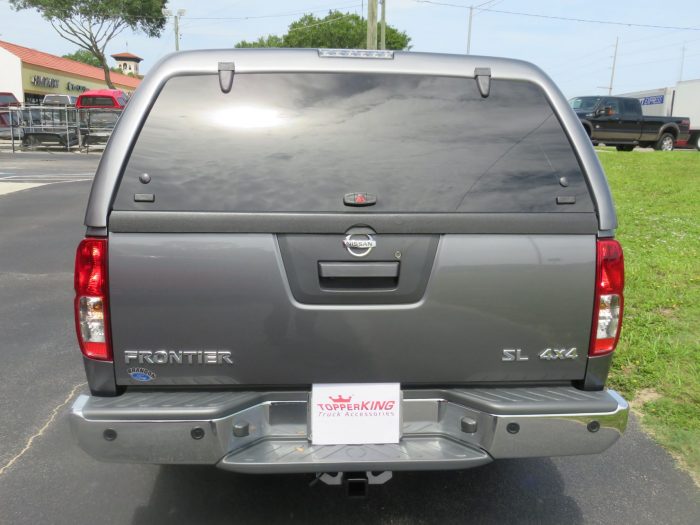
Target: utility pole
x,y
372,24
680,75
382,37
612,74
176,19
469,34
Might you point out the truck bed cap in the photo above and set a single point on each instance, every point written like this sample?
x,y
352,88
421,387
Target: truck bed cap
x,y
207,62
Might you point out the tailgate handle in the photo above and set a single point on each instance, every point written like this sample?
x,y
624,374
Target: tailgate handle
x,y
358,270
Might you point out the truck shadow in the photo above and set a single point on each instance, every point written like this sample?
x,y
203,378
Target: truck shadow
x,y
507,491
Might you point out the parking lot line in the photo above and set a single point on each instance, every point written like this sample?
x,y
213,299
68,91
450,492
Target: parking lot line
x,y
10,176
12,187
14,182
41,431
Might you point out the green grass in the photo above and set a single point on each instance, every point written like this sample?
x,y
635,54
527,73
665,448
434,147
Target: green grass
x,y
657,195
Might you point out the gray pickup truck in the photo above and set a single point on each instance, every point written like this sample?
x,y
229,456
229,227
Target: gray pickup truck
x,y
339,261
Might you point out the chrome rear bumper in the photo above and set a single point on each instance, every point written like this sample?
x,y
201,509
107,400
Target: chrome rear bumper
x,y
259,432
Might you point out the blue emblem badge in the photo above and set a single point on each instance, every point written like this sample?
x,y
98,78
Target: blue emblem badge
x,y
141,374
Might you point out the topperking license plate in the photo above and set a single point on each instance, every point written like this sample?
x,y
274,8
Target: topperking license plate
x,y
355,413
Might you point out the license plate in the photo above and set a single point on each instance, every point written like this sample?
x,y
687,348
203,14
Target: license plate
x,y
355,413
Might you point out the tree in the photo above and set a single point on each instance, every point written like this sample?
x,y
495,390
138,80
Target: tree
x,y
84,56
268,41
336,30
92,24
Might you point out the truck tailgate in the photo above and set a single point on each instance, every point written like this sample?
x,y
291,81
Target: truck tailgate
x,y
179,302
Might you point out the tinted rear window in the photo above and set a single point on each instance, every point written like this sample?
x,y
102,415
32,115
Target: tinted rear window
x,y
106,102
631,107
56,100
7,99
299,142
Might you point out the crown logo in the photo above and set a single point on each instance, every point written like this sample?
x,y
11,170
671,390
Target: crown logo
x,y
340,399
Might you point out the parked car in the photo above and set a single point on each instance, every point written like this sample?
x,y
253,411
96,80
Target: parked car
x,y
10,124
618,121
353,262
101,110
102,98
59,110
59,100
8,99
9,119
49,126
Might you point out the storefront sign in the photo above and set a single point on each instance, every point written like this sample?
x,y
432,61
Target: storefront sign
x,y
75,87
41,81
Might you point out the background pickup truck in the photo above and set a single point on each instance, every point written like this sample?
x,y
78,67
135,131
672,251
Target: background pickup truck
x,y
618,121
347,261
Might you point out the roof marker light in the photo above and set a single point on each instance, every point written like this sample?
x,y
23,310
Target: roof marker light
x,y
356,53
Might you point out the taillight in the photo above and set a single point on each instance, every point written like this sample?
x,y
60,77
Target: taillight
x,y
610,282
91,305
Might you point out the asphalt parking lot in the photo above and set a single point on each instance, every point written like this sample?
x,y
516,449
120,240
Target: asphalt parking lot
x,y
45,478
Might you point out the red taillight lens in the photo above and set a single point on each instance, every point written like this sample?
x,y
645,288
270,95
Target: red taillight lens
x,y
91,305
91,267
607,312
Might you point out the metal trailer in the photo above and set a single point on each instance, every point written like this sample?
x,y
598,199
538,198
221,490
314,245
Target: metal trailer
x,y
687,102
655,102
54,126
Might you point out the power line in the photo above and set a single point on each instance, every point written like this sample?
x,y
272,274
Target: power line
x,y
655,36
248,17
569,61
577,77
211,20
322,22
493,3
277,15
686,57
307,26
590,66
485,3
564,18
653,49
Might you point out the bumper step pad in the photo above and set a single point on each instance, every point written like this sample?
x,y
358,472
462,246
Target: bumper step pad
x,y
412,453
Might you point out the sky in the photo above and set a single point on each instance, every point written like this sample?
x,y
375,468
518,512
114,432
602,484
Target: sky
x,y
577,55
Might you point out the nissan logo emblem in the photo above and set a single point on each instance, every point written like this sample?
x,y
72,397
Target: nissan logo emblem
x,y
359,244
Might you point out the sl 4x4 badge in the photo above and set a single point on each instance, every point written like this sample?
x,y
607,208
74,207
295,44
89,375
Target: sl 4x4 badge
x,y
548,354
513,354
